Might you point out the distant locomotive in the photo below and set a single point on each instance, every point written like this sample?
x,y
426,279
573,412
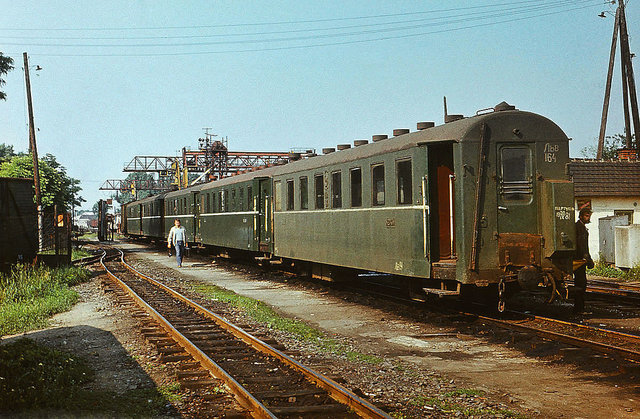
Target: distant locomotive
x,y
483,201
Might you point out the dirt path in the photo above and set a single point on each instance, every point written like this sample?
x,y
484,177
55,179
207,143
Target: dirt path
x,y
548,389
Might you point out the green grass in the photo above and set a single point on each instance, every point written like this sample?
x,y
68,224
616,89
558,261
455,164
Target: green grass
x,y
78,253
29,296
264,314
446,402
605,270
36,378
88,236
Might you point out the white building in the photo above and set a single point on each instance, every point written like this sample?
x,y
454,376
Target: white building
x,y
608,188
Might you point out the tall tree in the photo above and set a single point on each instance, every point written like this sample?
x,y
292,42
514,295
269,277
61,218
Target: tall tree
x,y
57,187
6,65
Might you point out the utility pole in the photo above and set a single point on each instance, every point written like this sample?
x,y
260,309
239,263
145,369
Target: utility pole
x,y
629,93
34,153
607,90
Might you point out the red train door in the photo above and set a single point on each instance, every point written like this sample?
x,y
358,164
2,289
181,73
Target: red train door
x,y
441,187
446,239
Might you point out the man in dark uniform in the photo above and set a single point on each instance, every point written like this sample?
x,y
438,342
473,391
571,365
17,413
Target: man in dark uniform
x,y
582,253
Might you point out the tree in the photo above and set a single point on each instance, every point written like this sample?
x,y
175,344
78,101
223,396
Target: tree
x,y
6,152
126,196
6,65
612,143
57,188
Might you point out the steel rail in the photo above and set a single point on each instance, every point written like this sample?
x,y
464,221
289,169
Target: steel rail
x,y
335,390
245,399
89,259
572,340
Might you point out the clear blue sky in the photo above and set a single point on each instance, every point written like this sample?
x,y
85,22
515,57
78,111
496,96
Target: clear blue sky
x,y
281,74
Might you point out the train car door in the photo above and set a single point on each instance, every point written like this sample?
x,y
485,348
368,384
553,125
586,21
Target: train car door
x,y
140,217
441,187
517,206
265,220
197,209
519,243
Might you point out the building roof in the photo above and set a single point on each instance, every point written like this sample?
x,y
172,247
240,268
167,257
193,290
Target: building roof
x,y
605,178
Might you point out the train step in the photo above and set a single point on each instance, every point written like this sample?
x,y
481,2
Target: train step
x,y
441,293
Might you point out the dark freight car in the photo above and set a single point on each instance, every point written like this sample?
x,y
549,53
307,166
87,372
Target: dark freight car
x,y
18,221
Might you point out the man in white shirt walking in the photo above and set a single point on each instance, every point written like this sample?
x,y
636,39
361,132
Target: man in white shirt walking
x,y
178,238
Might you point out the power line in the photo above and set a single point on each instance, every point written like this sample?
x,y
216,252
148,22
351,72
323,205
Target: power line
x,y
292,47
519,9
495,5
282,39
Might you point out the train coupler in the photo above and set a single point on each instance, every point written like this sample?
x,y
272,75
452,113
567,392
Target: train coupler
x,y
501,291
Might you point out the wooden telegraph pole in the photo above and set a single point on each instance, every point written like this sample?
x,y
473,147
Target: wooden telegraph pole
x,y
34,153
629,95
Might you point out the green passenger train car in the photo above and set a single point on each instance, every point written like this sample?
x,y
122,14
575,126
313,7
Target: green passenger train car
x,y
145,217
475,201
478,201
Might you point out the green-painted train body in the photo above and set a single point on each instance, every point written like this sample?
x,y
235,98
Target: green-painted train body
x,y
145,217
472,201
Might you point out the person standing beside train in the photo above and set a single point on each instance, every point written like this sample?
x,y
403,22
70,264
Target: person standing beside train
x,y
178,238
582,254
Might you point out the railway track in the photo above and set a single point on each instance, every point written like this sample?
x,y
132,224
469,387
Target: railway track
x,y
629,291
264,381
610,342
89,259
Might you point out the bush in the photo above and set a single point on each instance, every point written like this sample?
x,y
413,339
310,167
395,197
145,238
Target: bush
x,y
603,269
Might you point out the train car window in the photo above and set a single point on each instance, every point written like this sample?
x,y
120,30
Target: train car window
x,y
185,208
208,207
304,193
356,187
213,202
319,188
250,198
233,200
277,196
226,200
290,196
377,184
336,190
241,199
403,175
516,183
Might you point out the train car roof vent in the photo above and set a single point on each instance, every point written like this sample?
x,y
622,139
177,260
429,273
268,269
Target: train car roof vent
x,y
400,131
358,143
379,137
328,150
504,106
425,125
451,118
344,146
